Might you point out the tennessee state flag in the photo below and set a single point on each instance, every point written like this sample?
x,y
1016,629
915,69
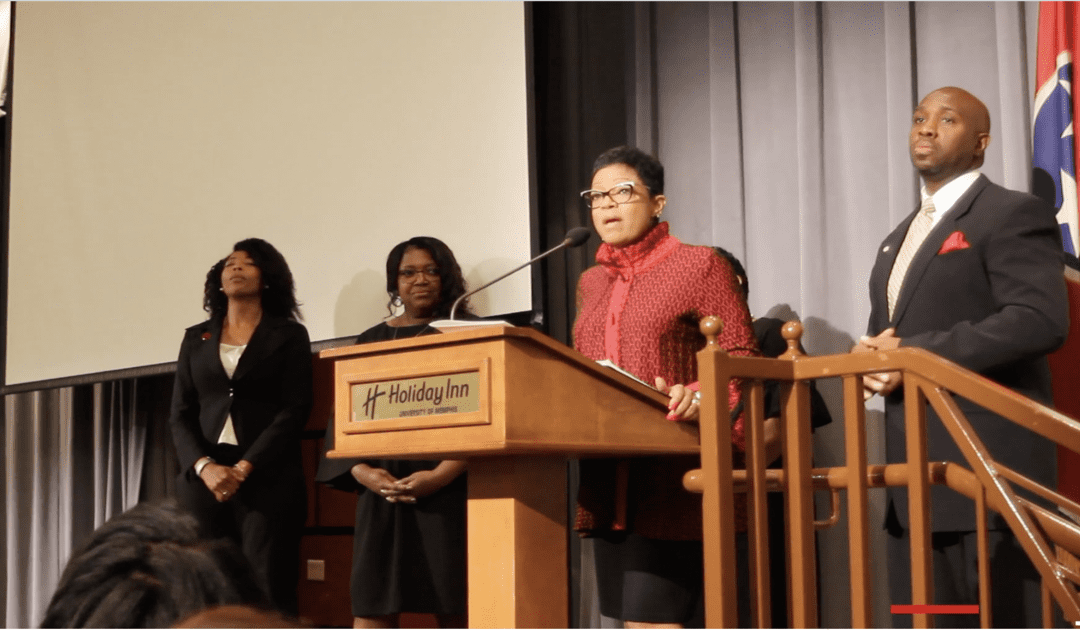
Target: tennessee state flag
x,y
1054,161
1054,179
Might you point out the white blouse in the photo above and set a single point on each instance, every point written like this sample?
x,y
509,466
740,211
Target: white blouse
x,y
230,357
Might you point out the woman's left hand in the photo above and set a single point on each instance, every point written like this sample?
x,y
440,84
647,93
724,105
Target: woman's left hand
x,y
683,404
416,486
243,469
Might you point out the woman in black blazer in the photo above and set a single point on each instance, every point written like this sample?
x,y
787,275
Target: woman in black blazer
x,y
241,398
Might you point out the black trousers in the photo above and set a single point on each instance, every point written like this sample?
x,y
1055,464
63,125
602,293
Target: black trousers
x,y
265,519
1015,592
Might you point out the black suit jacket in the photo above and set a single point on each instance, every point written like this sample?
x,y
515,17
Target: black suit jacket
x,y
997,308
269,395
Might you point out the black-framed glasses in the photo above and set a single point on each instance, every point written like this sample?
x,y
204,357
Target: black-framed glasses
x,y
622,193
410,275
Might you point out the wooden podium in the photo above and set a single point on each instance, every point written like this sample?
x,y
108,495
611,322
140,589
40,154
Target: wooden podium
x,y
517,405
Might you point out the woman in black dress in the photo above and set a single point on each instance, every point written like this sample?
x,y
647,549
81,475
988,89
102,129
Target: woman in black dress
x,y
409,544
240,401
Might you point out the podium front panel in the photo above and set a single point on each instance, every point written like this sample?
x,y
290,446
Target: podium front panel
x,y
496,392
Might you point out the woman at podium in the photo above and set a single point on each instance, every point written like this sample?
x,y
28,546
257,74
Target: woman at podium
x,y
639,307
409,543
241,398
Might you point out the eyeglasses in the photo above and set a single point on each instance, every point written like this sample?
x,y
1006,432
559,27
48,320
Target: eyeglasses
x,y
412,274
620,194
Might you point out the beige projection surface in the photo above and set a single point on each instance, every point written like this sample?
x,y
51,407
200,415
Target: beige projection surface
x,y
149,137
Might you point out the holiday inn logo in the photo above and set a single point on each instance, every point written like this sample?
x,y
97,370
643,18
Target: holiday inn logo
x,y
412,397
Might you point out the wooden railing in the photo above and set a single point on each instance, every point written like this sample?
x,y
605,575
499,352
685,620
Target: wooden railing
x,y
926,379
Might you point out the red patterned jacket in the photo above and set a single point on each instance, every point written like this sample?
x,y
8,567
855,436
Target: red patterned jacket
x,y
639,307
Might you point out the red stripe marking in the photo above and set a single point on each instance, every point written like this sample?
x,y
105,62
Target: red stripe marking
x,y
935,609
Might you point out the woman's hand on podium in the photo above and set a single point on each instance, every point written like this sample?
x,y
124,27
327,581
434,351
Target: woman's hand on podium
x,y
684,401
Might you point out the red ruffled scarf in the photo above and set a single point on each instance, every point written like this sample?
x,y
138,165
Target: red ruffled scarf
x,y
637,257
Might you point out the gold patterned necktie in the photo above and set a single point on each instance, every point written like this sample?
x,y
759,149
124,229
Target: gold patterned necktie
x,y
916,234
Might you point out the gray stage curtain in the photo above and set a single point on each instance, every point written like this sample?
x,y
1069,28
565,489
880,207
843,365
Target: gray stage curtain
x,y
73,458
783,131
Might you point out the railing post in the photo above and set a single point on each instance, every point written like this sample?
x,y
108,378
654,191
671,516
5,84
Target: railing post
x,y
858,501
982,538
718,499
758,507
798,491
918,498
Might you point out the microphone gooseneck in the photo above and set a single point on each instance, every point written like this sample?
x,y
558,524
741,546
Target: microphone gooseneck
x,y
574,238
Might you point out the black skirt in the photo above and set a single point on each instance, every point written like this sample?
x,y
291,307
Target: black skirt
x,y
648,580
406,557
410,557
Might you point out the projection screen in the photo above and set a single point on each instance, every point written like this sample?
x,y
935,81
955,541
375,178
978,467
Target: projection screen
x,y
149,137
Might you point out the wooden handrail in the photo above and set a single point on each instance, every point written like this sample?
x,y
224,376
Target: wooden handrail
x,y
1059,529
997,398
935,370
928,380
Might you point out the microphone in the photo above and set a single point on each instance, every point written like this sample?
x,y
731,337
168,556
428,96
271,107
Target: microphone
x,y
574,238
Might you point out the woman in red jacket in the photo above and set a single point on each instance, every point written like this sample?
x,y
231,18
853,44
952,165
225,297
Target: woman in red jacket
x,y
639,307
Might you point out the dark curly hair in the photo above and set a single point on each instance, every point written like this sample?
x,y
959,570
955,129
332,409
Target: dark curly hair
x,y
737,267
649,168
279,291
149,568
451,280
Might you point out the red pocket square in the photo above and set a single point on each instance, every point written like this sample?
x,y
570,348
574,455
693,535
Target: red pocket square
x,y
955,241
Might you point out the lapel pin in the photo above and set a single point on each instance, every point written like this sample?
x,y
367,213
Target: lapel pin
x,y
205,336
885,249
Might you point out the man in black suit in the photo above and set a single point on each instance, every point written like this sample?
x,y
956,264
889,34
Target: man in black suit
x,y
975,275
